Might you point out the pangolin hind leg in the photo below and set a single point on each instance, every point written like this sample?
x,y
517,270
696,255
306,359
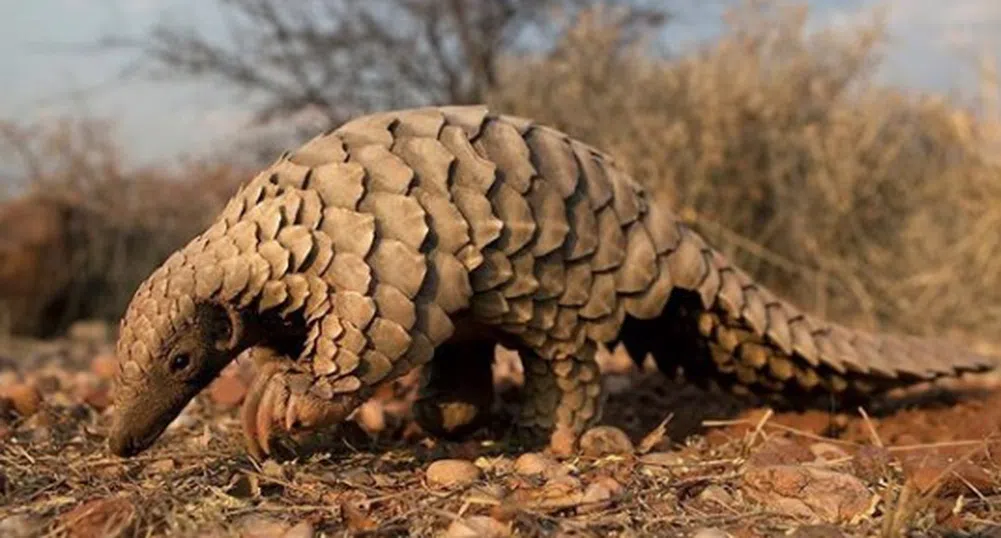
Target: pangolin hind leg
x,y
456,389
562,398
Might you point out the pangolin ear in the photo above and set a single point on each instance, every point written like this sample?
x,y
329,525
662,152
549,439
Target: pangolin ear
x,y
221,324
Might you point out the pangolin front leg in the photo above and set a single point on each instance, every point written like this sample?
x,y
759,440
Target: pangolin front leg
x,y
280,401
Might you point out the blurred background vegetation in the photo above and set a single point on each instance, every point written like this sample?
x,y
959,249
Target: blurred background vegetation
x,y
874,205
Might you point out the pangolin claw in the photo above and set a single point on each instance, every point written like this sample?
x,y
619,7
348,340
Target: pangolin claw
x,y
273,404
252,410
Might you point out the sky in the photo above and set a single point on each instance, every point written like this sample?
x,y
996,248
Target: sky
x,y
51,68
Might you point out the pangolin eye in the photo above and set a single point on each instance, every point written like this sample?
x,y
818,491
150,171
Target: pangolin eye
x,y
179,362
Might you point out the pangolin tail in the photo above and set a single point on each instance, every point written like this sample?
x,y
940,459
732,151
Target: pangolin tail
x,y
720,328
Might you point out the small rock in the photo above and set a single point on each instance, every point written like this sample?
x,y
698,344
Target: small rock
x,y
711,533
303,529
817,531
477,527
254,526
533,463
228,391
8,378
612,484
828,452
101,517
817,495
448,473
662,459
716,495
871,463
358,476
25,398
562,488
98,397
19,526
597,496
89,331
105,366
950,477
162,466
605,440
779,451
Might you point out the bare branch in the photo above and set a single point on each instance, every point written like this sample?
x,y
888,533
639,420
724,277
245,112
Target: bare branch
x,y
340,58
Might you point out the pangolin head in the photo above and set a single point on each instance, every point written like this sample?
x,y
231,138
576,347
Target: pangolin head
x,y
170,347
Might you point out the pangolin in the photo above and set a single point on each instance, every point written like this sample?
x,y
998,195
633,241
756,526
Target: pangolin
x,y
421,238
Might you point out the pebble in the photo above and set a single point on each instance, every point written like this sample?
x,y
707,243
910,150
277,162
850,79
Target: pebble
x,y
779,451
104,366
828,452
162,466
98,397
255,526
605,440
871,463
533,463
710,532
25,398
19,526
562,486
9,377
612,484
450,473
662,459
90,331
951,478
477,527
597,496
303,529
717,495
811,493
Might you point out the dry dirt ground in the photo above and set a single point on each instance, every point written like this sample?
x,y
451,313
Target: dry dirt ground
x,y
689,464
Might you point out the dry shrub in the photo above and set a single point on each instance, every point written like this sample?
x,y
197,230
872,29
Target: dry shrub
x,y
86,229
867,204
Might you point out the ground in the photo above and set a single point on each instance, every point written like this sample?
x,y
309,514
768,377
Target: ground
x,y
689,463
